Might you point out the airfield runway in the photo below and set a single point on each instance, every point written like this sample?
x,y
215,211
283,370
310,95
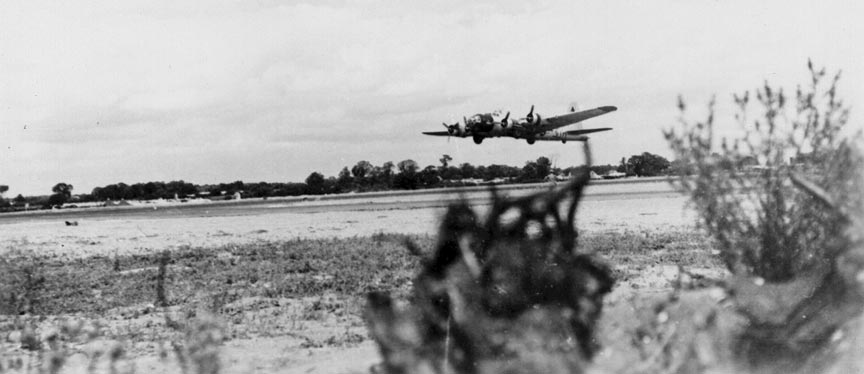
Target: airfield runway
x,y
642,204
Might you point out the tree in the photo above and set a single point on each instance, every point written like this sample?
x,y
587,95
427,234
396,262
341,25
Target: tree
x,y
406,181
407,178
3,189
544,167
383,175
451,173
500,171
62,194
407,166
154,190
345,182
19,200
429,176
182,189
362,172
647,164
529,172
63,189
536,170
480,172
260,189
387,168
468,170
622,167
445,159
362,169
293,189
315,183
56,200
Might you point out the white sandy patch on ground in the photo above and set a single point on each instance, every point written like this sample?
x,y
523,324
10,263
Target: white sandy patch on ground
x,y
146,234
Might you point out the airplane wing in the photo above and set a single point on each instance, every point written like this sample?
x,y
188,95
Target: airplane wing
x,y
587,131
437,133
552,123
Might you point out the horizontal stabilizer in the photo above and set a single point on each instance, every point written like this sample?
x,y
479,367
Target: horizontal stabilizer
x,y
587,131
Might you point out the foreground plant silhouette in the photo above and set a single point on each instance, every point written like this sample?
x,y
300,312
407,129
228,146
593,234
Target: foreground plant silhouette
x,y
789,232
502,294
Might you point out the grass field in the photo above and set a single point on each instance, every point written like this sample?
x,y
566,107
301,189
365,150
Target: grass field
x,y
307,293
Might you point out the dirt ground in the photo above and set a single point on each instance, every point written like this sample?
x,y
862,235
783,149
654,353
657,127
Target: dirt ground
x,y
619,207
289,335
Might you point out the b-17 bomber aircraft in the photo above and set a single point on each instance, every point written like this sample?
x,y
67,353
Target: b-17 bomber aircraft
x,y
532,127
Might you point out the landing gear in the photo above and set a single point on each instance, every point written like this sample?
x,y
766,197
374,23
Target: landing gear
x,y
530,141
478,139
563,141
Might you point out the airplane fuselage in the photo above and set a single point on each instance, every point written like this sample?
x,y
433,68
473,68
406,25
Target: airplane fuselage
x,y
498,131
532,127
490,125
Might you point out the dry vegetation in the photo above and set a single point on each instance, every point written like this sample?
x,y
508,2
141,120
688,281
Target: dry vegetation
x,y
101,312
789,232
514,295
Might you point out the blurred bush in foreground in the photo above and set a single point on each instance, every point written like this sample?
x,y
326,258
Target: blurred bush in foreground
x,y
766,226
497,295
783,202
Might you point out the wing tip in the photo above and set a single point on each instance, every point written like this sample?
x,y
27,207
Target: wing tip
x,y
608,108
587,131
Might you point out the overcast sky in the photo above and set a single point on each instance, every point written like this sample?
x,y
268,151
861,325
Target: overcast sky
x,y
216,91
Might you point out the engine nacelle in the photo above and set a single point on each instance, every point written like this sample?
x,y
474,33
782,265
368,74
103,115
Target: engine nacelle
x,y
456,129
460,129
536,120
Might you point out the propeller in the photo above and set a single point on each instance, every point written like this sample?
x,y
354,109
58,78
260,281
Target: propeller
x,y
504,120
451,129
530,116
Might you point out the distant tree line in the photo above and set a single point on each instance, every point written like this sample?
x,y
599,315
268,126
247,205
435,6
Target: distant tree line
x,y
407,174
182,189
362,177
